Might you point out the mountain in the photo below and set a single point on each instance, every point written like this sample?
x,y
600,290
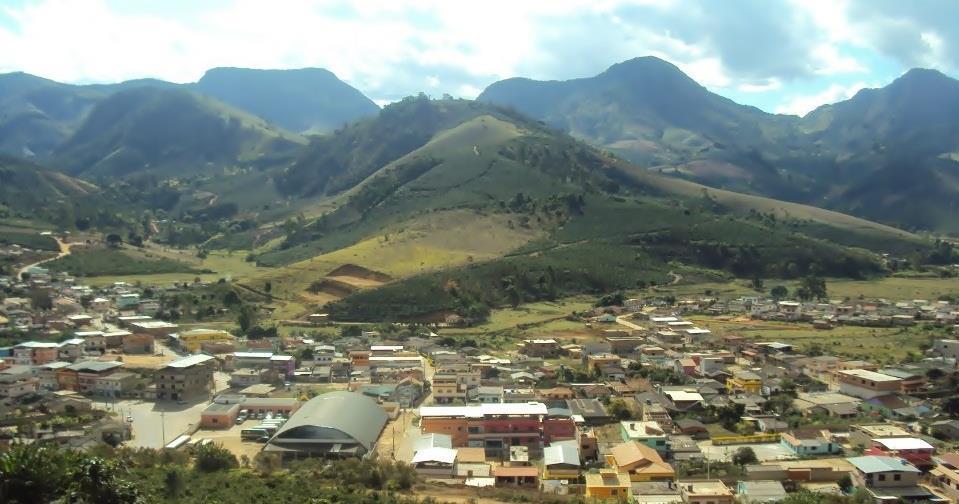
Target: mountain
x,y
651,113
886,154
168,131
467,204
30,191
37,114
307,99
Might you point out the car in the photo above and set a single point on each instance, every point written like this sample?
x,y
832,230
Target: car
x,y
180,401
129,419
240,419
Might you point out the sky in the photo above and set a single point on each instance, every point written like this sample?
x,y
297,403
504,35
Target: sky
x,y
783,56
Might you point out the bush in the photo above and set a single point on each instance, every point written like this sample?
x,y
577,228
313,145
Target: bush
x,y
214,457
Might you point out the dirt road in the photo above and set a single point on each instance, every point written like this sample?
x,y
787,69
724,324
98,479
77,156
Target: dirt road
x,y
64,251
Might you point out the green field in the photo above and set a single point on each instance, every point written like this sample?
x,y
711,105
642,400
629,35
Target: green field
x,y
28,239
93,262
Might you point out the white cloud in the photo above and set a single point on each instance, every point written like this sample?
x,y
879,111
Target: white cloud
x,y
802,105
760,87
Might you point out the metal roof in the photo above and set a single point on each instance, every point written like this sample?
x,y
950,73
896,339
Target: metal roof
x,y
876,464
437,454
190,361
901,443
486,409
352,414
869,375
561,453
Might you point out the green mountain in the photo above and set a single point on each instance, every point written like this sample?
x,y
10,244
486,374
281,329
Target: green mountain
x,y
37,114
886,154
32,192
307,99
167,132
586,221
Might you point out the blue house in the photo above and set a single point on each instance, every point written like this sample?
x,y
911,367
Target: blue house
x,y
809,442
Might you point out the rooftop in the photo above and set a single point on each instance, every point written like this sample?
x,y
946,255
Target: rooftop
x,y
876,464
903,443
481,410
869,375
190,361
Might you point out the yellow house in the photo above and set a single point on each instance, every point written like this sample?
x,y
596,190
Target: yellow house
x,y
744,381
639,462
608,485
192,340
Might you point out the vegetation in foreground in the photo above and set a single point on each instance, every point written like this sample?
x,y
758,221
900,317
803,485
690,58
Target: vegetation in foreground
x,y
113,261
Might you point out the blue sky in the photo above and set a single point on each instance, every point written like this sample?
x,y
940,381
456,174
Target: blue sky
x,y
786,56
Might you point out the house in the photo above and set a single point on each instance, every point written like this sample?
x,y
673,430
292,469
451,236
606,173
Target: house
x,y
591,411
434,456
519,476
946,475
914,450
496,427
447,389
488,394
705,492
861,435
138,343
647,433
561,461
685,400
692,428
543,348
945,429
827,403
640,462
192,340
608,485
809,442
867,384
888,479
557,394
655,412
760,491
184,378
219,416
912,381
744,381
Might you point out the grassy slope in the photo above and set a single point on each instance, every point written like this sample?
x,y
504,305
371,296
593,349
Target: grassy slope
x,y
128,261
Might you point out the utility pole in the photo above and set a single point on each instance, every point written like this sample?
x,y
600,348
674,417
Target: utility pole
x,y
163,427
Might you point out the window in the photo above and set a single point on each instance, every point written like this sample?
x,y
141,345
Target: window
x,y
882,477
897,477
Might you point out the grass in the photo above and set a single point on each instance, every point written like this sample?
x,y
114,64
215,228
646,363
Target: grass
x,y
28,239
894,288
881,345
94,262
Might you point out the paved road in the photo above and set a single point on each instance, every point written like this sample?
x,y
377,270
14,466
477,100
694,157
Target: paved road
x,y
621,320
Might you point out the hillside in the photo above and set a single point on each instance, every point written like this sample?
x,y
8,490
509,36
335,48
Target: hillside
x,y
651,113
30,191
37,114
886,154
301,100
559,217
168,132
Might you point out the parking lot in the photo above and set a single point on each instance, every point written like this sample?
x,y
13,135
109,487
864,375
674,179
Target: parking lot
x,y
230,439
155,424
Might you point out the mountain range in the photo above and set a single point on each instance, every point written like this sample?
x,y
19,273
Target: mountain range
x,y
535,190
888,154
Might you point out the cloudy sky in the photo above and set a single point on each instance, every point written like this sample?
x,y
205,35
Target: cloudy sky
x,y
780,55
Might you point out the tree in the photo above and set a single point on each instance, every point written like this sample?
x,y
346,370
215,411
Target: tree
x,y
247,317
935,374
745,456
173,483
779,292
268,287
214,457
41,300
618,408
114,240
811,287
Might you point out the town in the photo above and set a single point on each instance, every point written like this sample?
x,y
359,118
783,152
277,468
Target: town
x,y
653,407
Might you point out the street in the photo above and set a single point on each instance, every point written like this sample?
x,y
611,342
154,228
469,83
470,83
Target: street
x,y
155,422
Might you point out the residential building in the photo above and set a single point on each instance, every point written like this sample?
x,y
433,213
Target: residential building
x,y
744,381
861,435
914,450
608,485
496,427
219,416
561,461
650,434
447,388
192,340
760,491
138,343
946,475
34,353
185,378
519,476
543,348
705,492
640,462
867,384
809,442
888,479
